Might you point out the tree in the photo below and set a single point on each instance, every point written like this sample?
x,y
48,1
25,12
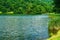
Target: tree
x,y
25,6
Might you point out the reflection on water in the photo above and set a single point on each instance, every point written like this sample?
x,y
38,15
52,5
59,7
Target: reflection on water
x,y
24,27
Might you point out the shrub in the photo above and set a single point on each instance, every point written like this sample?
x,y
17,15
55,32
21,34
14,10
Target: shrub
x,y
54,25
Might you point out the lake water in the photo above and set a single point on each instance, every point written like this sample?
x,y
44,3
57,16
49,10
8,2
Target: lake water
x,y
24,27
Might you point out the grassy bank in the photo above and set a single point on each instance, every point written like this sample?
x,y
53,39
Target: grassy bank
x,y
54,27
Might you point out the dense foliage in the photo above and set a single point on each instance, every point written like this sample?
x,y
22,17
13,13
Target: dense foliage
x,y
25,6
57,6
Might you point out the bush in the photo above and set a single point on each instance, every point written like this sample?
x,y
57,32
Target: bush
x,y
54,25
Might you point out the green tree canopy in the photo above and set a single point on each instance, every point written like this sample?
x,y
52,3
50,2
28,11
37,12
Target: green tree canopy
x,y
25,6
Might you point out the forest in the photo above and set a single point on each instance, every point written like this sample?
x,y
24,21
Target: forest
x,y
26,6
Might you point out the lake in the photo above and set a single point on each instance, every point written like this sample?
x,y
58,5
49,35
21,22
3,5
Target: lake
x,y
24,27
